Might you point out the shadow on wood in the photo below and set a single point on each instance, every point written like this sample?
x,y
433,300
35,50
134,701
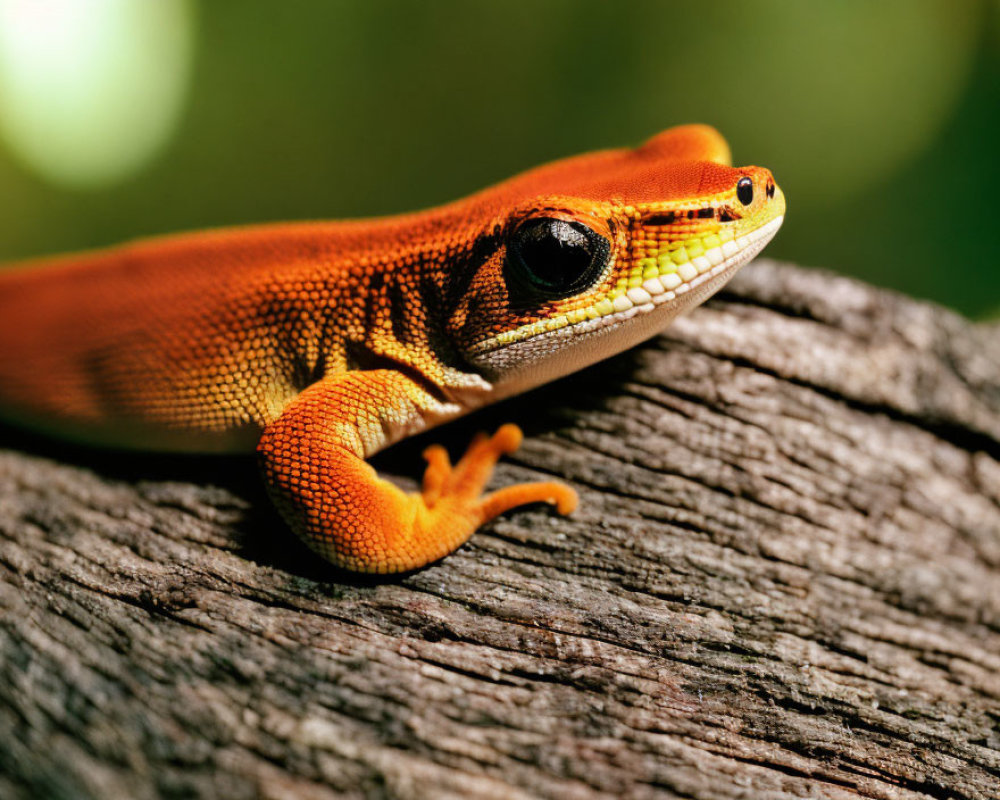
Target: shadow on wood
x,y
783,581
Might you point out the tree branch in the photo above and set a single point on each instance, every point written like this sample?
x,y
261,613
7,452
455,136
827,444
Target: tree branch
x,y
783,581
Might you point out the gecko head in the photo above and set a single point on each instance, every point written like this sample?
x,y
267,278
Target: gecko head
x,y
569,279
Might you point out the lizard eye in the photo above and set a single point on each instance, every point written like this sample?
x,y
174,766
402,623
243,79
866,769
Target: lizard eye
x,y
744,191
548,259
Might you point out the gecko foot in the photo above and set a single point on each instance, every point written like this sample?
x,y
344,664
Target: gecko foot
x,y
459,488
452,495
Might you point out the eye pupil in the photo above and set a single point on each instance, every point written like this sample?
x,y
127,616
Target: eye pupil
x,y
744,191
553,258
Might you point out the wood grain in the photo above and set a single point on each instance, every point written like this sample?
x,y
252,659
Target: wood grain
x,y
783,582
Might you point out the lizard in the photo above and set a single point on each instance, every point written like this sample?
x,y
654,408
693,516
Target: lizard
x,y
317,344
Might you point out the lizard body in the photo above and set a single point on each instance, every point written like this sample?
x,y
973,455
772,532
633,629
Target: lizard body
x,y
321,343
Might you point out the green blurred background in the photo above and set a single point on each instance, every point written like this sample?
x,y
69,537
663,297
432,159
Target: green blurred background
x,y
122,118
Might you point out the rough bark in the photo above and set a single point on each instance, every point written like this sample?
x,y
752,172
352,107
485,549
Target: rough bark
x,y
784,581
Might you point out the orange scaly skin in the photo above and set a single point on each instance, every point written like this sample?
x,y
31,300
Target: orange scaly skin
x,y
322,343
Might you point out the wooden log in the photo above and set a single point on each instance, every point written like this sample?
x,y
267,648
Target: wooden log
x,y
783,582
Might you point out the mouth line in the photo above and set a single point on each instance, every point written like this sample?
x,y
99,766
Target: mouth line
x,y
654,292
720,211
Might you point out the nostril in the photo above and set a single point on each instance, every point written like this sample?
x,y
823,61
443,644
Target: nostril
x,y
770,189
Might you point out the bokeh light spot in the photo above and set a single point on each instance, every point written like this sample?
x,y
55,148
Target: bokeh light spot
x,y
91,90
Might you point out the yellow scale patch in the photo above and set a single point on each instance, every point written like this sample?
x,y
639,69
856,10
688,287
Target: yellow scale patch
x,y
652,257
668,257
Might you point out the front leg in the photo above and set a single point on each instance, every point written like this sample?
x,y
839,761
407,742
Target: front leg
x,y
312,458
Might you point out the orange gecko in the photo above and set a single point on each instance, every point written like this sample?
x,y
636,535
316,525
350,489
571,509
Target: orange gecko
x,y
321,343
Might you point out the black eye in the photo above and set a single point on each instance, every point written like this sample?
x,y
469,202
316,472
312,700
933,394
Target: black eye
x,y
744,191
552,258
